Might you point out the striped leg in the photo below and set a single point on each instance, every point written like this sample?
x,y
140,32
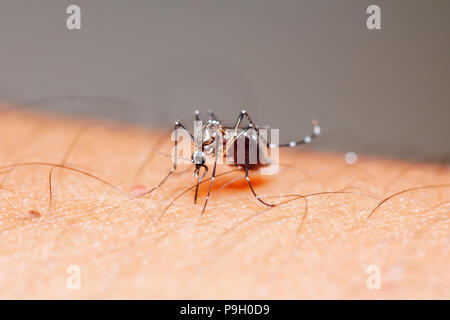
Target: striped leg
x,y
307,139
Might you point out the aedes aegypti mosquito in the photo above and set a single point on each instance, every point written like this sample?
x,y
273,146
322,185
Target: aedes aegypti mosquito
x,y
207,138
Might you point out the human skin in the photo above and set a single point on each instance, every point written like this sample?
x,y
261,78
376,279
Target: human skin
x,y
127,247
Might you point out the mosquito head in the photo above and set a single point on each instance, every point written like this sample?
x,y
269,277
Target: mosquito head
x,y
198,158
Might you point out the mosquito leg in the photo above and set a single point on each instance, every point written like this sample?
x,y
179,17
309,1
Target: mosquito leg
x,y
211,115
307,139
213,175
241,116
197,115
253,191
239,120
237,136
236,126
180,125
199,180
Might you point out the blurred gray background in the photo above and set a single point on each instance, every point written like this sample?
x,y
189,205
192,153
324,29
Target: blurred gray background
x,y
286,62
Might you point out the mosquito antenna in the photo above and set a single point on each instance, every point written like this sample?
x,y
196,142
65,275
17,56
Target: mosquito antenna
x,y
169,156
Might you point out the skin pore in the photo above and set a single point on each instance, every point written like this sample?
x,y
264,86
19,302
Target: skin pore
x,y
137,248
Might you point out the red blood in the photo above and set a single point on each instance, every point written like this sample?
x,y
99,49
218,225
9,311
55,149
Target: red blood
x,y
35,213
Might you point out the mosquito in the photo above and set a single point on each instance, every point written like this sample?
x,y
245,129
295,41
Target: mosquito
x,y
214,139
